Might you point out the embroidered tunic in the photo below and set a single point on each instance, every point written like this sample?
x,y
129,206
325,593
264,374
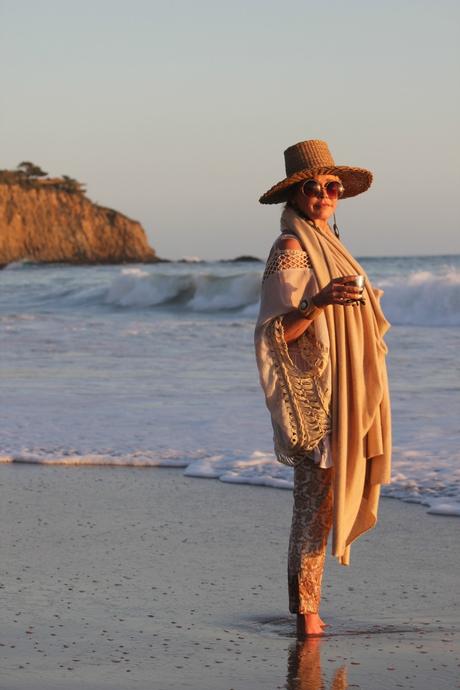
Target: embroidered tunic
x,y
281,263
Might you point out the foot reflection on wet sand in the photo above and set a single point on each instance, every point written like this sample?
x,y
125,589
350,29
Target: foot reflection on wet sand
x,y
304,668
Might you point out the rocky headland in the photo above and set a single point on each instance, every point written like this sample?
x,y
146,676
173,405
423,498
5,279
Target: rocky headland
x,y
51,220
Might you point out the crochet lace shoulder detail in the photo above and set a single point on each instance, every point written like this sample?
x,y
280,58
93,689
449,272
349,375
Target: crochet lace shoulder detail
x,y
282,259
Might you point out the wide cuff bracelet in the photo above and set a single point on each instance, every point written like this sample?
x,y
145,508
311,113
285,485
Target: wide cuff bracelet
x,y
309,310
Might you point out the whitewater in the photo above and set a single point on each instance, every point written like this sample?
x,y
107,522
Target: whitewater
x,y
153,365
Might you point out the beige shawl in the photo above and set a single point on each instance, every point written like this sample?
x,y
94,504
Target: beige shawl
x,y
333,379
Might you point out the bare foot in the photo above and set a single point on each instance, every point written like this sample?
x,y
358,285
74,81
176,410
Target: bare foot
x,y
309,624
321,622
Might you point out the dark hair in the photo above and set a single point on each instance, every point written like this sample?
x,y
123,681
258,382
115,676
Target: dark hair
x,y
292,191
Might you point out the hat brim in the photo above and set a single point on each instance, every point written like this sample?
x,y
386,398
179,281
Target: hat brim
x,y
355,181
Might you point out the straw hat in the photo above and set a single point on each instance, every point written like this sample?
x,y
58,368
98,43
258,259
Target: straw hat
x,y
312,157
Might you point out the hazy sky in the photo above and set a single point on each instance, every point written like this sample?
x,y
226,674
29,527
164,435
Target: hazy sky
x,y
177,113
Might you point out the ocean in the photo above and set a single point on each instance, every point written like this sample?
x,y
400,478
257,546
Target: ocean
x,y
153,365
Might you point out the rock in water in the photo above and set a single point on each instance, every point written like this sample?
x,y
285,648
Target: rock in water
x,y
42,222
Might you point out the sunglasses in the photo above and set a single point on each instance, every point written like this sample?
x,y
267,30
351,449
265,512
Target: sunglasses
x,y
333,189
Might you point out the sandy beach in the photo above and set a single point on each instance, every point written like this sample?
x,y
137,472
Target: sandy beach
x,y
132,578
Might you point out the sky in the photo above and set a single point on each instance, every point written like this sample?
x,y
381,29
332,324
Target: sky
x,y
177,113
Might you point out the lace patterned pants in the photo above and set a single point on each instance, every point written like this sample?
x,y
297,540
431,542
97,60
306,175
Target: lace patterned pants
x,y
311,524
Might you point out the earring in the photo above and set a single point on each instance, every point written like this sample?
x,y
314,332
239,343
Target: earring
x,y
336,229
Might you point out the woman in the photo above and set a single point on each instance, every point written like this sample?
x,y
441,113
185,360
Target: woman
x,y
321,359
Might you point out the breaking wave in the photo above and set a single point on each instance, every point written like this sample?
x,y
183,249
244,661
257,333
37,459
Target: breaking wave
x,y
422,298
416,297
200,291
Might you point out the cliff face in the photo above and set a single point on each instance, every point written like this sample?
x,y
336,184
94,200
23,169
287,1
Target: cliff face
x,y
52,225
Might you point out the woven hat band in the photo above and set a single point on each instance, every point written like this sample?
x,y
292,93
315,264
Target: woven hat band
x,y
307,154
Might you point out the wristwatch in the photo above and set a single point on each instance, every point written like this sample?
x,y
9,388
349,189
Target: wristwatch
x,y
308,309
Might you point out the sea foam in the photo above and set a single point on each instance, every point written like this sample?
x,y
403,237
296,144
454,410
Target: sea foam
x,y
437,485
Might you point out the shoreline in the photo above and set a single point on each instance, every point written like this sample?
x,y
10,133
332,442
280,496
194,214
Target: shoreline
x,y
153,581
441,506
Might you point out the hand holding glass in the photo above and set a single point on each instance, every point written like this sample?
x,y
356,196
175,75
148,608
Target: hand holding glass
x,y
344,290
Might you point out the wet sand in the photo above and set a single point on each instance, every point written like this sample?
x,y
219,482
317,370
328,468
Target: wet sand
x,y
131,578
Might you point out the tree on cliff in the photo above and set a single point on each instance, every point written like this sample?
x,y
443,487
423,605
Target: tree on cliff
x,y
31,170
70,184
30,176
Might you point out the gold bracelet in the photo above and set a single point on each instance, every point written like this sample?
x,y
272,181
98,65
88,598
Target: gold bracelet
x,y
309,310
